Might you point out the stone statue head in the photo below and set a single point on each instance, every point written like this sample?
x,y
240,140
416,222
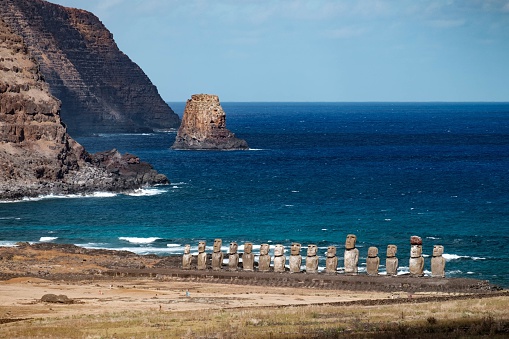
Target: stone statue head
x,y
312,249
372,252
391,251
187,249
217,245
264,249
438,250
331,251
351,239
415,251
279,250
233,247
295,249
201,246
248,247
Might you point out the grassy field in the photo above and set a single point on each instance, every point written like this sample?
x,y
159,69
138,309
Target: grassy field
x,y
486,317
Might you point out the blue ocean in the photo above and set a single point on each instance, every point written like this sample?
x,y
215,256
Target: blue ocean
x,y
315,173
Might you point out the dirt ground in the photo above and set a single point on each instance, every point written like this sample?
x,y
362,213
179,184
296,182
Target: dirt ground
x,y
100,281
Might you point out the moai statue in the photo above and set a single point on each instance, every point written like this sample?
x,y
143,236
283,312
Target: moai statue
x,y
217,256
391,262
202,256
233,258
438,262
279,258
331,262
264,260
248,257
416,265
372,261
312,259
351,255
295,258
187,258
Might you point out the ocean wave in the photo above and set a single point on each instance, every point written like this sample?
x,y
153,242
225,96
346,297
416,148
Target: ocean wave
x,y
5,243
449,257
146,192
69,196
47,239
433,238
138,240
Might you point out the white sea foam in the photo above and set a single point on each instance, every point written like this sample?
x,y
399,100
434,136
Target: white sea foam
x,y
449,257
5,243
433,238
174,245
136,240
146,192
47,239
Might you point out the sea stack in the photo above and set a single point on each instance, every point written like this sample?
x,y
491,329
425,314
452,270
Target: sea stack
x,y
204,126
37,156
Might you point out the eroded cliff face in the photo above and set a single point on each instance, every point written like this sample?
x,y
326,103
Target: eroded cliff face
x,y
204,126
101,89
37,156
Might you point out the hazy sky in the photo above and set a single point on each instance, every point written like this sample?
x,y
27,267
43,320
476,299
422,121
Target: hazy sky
x,y
315,50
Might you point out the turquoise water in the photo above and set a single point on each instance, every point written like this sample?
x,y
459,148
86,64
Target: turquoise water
x,y
316,172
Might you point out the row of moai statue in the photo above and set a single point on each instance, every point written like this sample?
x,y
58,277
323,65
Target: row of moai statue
x,y
351,258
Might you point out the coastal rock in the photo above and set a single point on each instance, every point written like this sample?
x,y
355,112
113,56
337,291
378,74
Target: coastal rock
x,y
101,89
37,155
204,127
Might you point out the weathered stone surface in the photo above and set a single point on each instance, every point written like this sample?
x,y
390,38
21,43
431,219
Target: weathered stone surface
x,y
391,261
438,262
264,260
295,258
416,263
372,261
351,255
187,258
56,299
101,89
233,257
279,258
248,257
415,240
312,259
217,255
202,256
331,262
37,155
204,126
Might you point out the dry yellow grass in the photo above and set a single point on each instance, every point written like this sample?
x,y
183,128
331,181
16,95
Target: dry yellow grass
x,y
486,316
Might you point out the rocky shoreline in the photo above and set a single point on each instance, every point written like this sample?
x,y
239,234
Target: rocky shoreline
x,y
38,157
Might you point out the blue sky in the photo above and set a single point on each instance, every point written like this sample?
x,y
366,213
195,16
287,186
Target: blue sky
x,y
315,50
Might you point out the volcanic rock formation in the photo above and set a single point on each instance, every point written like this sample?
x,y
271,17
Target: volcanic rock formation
x,y
101,89
37,156
204,126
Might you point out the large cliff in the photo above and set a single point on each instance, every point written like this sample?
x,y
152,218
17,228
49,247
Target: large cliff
x,y
101,89
37,156
204,126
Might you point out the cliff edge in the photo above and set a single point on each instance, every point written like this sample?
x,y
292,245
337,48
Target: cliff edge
x,y
204,127
37,156
101,89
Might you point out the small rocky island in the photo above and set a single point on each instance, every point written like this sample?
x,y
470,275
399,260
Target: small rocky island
x,y
204,126
37,155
